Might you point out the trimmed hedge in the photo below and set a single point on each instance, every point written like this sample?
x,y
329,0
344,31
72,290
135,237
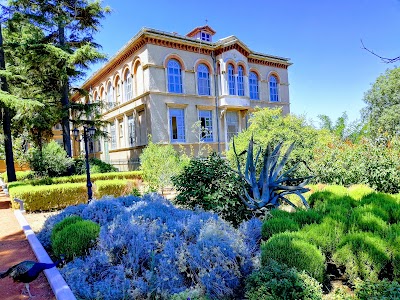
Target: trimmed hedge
x,y
115,187
21,175
57,196
49,197
79,178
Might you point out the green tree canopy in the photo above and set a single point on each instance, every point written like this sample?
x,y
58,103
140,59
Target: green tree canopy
x,y
383,106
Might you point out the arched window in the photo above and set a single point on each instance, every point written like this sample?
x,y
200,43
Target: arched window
x,y
273,88
231,80
253,86
174,76
110,97
203,80
240,81
118,95
127,86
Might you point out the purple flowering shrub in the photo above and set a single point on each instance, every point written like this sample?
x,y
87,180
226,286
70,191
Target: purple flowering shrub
x,y
149,249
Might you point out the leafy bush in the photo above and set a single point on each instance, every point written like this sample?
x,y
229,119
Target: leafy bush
x,y
367,219
293,250
383,202
277,281
363,254
275,225
154,250
51,161
96,166
358,191
377,290
159,163
211,184
50,196
75,239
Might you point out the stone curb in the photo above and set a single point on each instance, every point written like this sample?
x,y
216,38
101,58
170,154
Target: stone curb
x,y
59,286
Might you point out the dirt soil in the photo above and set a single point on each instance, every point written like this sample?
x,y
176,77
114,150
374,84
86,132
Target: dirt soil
x,y
14,248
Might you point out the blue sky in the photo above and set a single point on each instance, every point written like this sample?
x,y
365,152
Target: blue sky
x,y
330,71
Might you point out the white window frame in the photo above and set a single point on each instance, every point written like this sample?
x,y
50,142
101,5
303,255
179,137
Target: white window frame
x,y
177,116
206,116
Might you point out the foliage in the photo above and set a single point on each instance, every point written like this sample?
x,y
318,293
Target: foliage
x,y
269,127
292,249
115,187
133,175
96,166
154,250
75,239
64,223
21,175
383,105
50,161
273,185
277,281
367,162
275,225
159,163
211,184
377,290
50,197
363,254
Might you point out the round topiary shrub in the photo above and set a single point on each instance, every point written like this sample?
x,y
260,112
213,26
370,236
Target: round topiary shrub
x,y
277,281
277,225
292,249
304,217
75,239
64,223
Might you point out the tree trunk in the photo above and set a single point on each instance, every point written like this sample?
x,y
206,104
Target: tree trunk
x,y
11,176
65,102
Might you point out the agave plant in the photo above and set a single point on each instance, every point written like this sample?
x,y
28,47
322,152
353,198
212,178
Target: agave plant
x,y
273,185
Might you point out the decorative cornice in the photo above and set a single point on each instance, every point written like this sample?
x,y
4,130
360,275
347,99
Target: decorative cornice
x,y
234,46
267,63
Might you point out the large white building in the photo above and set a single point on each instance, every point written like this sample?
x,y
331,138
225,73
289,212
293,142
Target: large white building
x,y
161,83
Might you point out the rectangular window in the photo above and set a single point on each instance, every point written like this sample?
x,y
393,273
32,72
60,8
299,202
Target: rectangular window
x,y
131,132
205,117
177,125
141,128
121,133
113,136
232,124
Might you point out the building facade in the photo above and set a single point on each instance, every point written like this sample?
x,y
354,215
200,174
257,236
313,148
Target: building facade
x,y
164,84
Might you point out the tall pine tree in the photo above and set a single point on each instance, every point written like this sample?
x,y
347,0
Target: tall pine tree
x,y
69,26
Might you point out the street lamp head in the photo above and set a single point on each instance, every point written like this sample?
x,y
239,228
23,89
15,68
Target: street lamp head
x,y
91,131
75,132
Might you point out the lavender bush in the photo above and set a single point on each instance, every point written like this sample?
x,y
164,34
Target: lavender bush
x,y
149,249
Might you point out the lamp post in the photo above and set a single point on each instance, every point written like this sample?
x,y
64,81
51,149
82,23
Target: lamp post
x,y
88,133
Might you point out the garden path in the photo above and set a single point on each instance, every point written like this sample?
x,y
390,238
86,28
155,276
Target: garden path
x,y
14,248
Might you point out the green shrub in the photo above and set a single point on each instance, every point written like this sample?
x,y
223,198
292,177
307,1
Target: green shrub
x,y
304,217
377,290
115,187
366,219
277,281
51,161
275,225
159,163
21,175
193,294
49,197
64,223
363,254
212,185
96,166
75,239
293,250
385,202
358,191
326,235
